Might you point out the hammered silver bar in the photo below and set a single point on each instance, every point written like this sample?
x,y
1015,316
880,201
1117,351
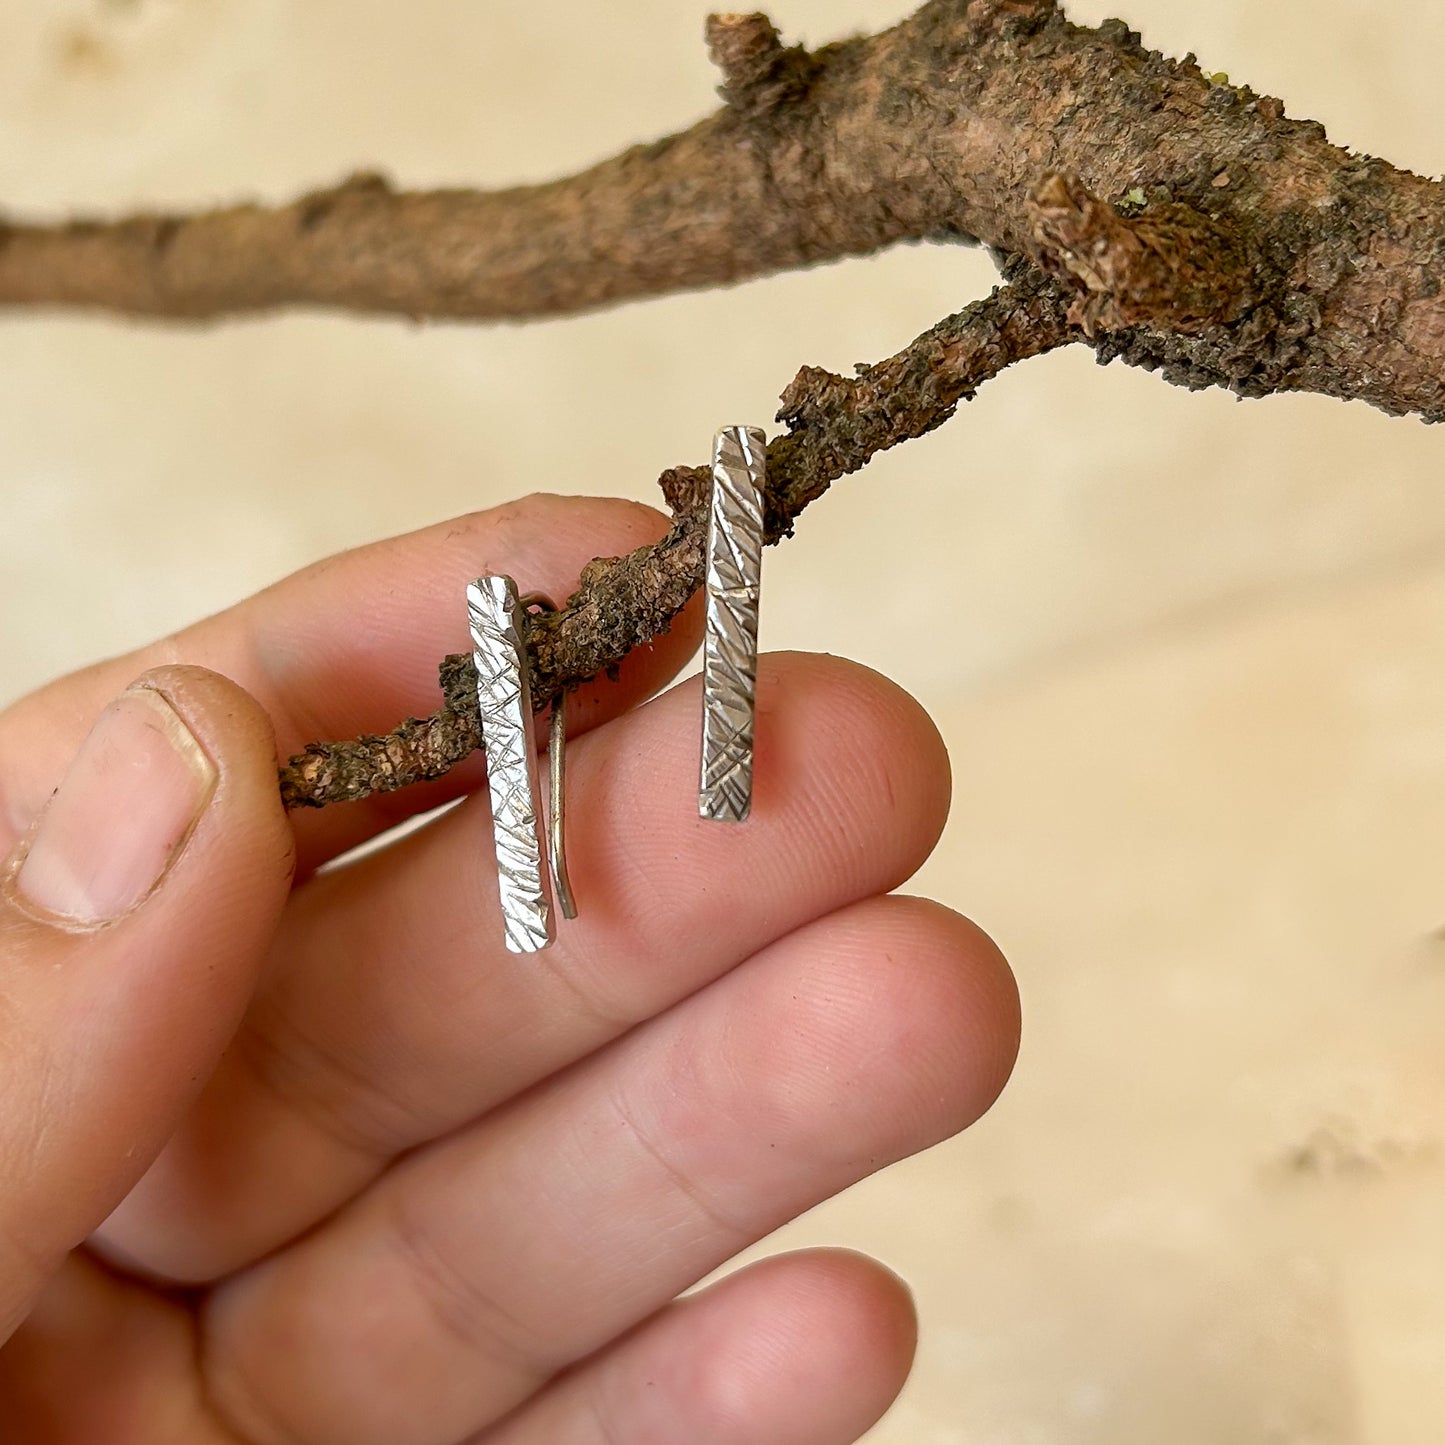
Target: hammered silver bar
x,y
499,631
730,648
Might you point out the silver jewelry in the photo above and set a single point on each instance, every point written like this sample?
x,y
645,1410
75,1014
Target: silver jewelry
x,y
499,626
556,784
730,647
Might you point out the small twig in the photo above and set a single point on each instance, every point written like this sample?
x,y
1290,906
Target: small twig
x,y
834,425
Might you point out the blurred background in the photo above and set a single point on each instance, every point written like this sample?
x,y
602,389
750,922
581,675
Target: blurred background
x,y
1195,707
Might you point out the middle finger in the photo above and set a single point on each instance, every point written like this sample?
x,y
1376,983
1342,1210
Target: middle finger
x,y
392,1014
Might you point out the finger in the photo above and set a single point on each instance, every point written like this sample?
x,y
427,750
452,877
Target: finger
x,y
133,923
803,1349
477,1268
102,1359
392,1014
351,646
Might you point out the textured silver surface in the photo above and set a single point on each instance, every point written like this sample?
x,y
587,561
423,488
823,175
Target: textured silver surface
x,y
557,791
499,630
730,648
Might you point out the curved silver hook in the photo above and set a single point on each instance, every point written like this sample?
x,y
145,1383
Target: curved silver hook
x,y
557,783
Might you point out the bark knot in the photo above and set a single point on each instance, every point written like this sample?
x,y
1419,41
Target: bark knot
x,y
1002,17
1169,266
760,74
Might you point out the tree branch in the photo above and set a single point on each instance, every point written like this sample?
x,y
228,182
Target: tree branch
x,y
1169,219
834,425
942,128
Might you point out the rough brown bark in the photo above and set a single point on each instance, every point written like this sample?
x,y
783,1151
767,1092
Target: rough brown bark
x,y
941,127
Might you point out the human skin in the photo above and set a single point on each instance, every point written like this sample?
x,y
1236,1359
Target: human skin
x,y
293,1155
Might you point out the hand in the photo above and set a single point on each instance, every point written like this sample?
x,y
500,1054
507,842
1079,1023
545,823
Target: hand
x,y
419,1190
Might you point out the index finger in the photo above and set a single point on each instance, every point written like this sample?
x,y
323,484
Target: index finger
x,y
351,646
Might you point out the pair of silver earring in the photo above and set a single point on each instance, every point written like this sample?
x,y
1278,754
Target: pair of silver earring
x,y
499,619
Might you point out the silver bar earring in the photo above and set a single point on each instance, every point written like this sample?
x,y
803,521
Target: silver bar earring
x,y
730,648
498,618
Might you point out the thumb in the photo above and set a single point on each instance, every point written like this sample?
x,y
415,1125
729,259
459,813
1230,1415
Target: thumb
x,y
133,922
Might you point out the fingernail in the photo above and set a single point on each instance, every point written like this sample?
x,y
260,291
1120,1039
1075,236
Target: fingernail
x,y
122,814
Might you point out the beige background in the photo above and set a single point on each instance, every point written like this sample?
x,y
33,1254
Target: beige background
x,y
1195,705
